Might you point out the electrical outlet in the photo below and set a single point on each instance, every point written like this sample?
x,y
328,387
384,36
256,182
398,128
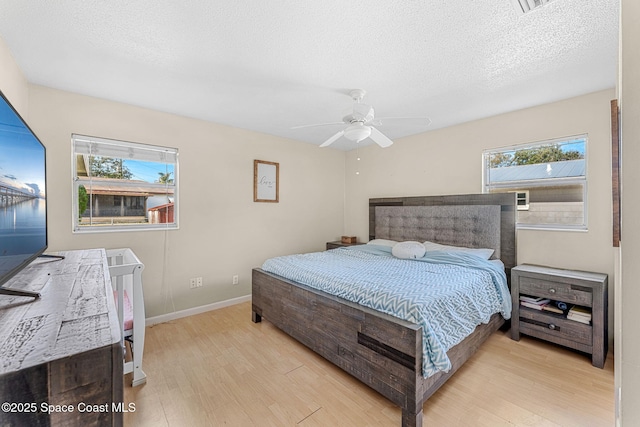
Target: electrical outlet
x,y
192,282
235,280
199,282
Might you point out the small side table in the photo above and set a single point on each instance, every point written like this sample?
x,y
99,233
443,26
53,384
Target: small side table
x,y
339,244
581,288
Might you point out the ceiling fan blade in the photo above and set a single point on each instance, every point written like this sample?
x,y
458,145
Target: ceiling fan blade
x,y
379,138
317,125
332,139
404,121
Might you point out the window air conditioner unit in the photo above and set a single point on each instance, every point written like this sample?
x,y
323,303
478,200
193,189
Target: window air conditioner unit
x,y
524,6
522,200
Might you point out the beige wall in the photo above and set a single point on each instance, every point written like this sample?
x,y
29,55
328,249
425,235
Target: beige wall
x,y
448,161
12,82
222,231
628,360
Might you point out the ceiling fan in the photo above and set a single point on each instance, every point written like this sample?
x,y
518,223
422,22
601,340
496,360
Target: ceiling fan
x,y
360,123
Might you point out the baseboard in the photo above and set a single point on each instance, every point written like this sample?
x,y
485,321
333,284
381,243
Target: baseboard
x,y
195,310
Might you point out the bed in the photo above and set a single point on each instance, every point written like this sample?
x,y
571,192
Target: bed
x,y
383,351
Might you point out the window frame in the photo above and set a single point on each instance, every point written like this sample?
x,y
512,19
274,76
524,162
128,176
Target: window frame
x,y
526,185
82,145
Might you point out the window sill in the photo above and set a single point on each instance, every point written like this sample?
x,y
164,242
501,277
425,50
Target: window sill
x,y
112,229
582,229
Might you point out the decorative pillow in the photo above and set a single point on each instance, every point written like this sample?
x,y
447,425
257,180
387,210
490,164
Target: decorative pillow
x,y
408,250
484,253
382,242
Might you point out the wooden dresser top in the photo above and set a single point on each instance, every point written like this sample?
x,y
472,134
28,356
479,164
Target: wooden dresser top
x,y
75,313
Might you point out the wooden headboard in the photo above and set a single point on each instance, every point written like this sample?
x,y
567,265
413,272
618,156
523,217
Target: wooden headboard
x,y
471,220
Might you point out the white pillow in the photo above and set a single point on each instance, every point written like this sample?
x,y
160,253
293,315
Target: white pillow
x,y
408,250
382,242
484,253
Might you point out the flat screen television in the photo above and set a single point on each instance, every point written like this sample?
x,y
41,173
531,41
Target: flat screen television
x,y
23,197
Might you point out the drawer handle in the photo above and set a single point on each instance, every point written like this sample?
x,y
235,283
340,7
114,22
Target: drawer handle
x,y
552,326
551,290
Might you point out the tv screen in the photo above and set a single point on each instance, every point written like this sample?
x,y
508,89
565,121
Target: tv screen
x,y
23,202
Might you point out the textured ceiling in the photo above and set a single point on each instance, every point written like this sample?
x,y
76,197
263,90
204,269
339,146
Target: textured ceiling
x,y
268,66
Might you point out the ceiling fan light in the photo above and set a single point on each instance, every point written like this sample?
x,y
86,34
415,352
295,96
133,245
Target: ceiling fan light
x,y
357,132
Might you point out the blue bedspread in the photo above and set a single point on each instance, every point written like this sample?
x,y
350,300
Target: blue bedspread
x,y
448,294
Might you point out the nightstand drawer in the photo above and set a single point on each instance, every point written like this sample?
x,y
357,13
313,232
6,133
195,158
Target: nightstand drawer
x,y
569,293
554,328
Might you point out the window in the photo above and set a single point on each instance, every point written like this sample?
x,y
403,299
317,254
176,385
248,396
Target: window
x,y
123,185
548,177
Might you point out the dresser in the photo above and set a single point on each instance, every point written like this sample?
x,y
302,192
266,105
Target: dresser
x,y
60,355
587,291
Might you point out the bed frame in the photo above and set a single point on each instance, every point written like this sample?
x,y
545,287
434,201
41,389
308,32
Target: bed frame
x,y
382,351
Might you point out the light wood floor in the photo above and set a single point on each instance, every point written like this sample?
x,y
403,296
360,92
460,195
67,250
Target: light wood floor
x,y
220,369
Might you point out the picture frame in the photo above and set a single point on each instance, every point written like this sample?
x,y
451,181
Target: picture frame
x,y
266,181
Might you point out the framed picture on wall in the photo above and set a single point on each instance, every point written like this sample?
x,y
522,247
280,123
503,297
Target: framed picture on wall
x,y
265,181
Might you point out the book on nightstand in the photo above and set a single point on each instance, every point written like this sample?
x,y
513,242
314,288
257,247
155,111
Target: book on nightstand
x,y
534,300
540,303
579,314
552,308
532,305
537,303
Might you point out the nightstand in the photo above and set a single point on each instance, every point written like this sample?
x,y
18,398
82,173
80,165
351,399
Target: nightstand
x,y
339,244
574,288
